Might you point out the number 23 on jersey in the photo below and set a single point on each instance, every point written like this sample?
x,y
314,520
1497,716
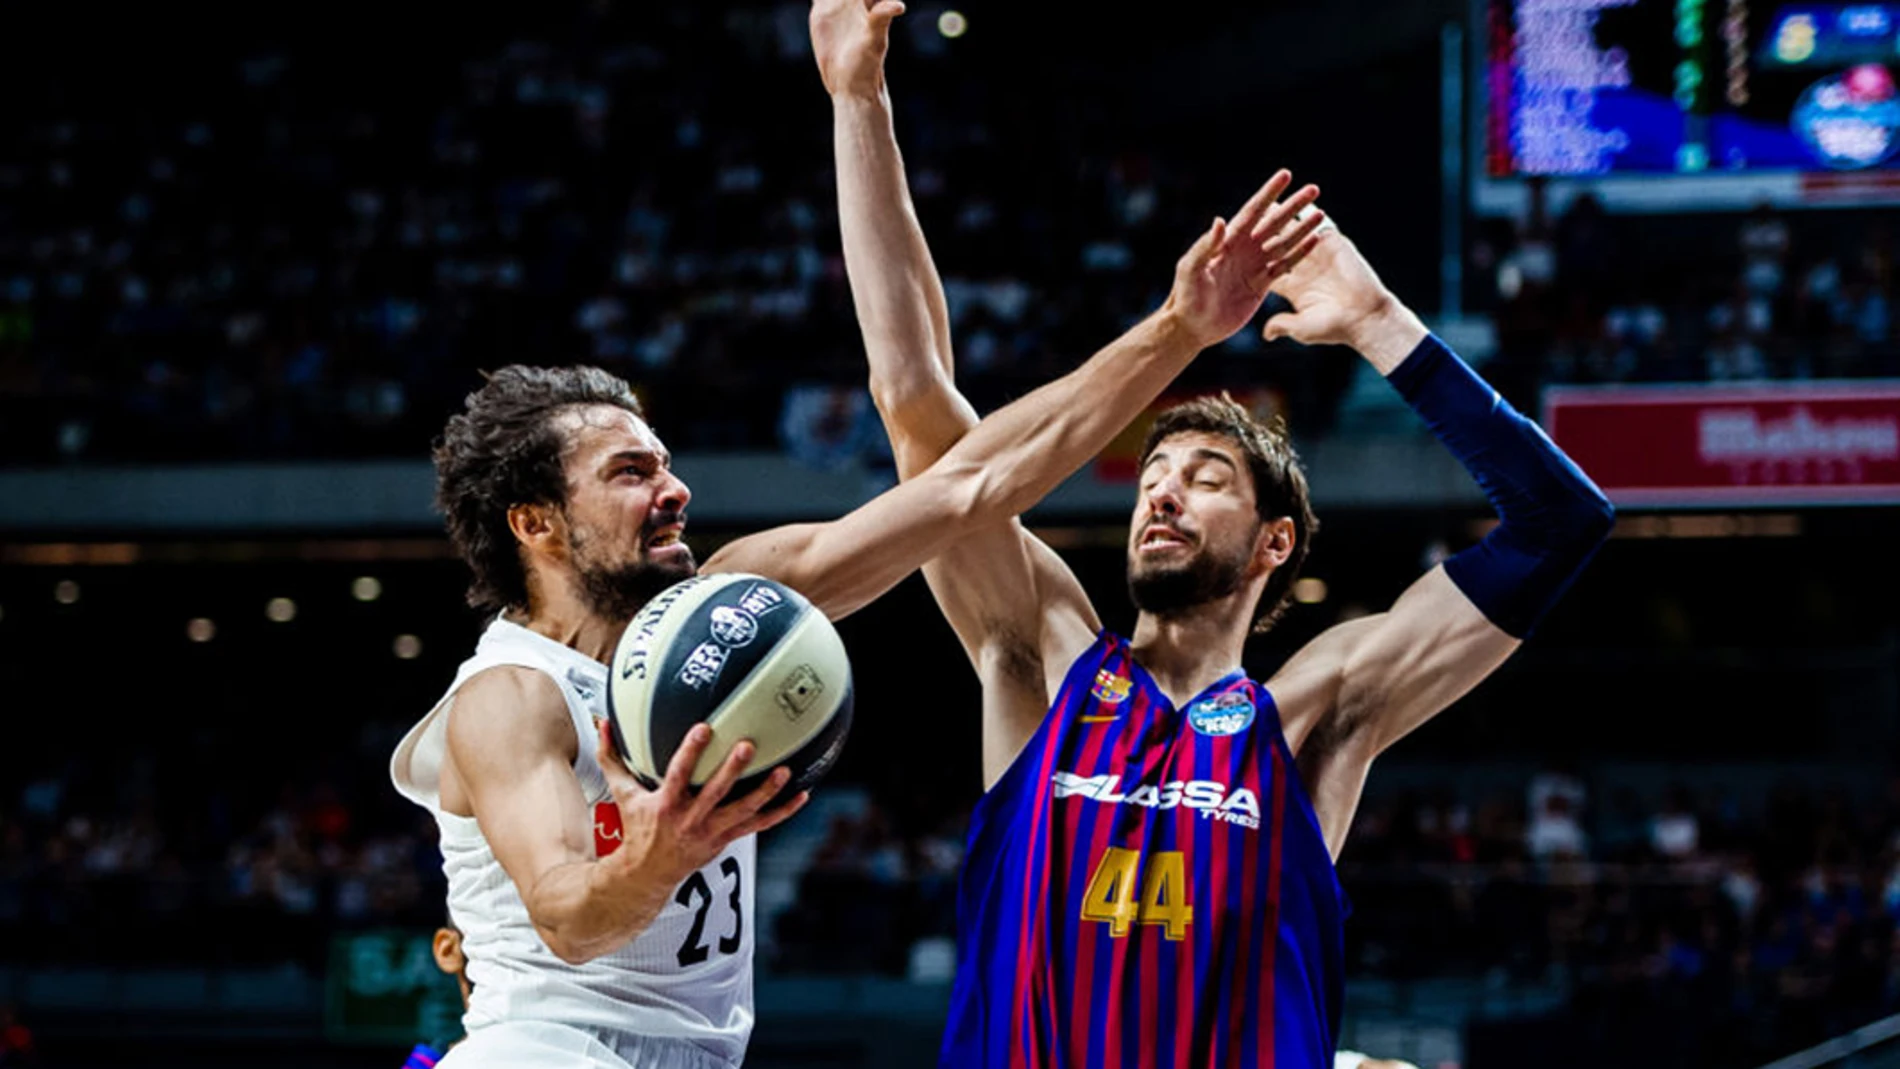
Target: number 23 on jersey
x,y
1163,899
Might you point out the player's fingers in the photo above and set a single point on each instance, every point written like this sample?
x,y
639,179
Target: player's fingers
x,y
1284,212
1194,261
745,809
723,778
1287,263
1285,325
678,784
620,779
1257,205
1284,245
883,12
766,821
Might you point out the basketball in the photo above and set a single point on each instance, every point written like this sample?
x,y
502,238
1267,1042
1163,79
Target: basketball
x,y
748,656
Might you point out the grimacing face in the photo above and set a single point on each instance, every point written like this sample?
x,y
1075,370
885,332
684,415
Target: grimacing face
x,y
1195,527
625,511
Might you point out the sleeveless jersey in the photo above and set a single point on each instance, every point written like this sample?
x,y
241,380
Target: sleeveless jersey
x,y
678,994
1147,888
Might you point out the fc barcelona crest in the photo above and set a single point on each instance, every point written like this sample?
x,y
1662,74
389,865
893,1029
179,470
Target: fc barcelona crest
x,y
1110,688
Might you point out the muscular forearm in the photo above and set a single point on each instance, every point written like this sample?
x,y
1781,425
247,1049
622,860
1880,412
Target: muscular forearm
x,y
584,909
894,284
1027,448
1553,517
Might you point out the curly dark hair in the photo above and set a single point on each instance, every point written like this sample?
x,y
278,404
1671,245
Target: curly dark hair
x,y
1279,483
506,450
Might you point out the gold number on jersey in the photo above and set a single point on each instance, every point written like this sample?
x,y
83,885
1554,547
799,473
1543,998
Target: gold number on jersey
x,y
1111,893
1164,893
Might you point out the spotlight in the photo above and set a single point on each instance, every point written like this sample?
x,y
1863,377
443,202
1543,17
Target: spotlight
x,y
281,610
67,592
201,629
1309,591
408,647
366,588
952,24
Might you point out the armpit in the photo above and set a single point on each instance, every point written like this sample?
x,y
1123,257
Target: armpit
x,y
1012,656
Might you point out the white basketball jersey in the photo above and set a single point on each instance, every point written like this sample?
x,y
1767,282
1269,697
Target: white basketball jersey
x,y
685,981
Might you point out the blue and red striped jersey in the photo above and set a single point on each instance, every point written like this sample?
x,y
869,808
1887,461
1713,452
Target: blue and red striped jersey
x,y
1147,888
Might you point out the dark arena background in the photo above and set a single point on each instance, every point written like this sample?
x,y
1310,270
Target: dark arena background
x,y
250,260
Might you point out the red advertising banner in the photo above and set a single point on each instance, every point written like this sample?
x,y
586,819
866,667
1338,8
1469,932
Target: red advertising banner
x,y
1791,443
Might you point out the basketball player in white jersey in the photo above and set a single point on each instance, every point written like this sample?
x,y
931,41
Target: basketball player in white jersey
x,y
605,924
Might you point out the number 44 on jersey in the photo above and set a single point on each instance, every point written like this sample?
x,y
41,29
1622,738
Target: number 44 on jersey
x,y
1163,899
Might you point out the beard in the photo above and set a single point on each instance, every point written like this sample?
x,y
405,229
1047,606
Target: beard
x,y
1170,589
618,591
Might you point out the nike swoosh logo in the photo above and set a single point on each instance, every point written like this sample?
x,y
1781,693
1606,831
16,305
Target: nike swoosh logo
x,y
1097,719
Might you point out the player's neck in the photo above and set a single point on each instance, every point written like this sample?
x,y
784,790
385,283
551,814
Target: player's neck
x,y
567,621
1187,652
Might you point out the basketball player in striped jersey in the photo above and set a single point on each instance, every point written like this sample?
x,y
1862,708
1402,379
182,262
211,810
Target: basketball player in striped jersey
x,y
1149,879
605,924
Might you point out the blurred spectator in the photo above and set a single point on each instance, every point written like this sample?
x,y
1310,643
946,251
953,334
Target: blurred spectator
x,y
870,895
832,427
1555,833
1765,244
1556,801
1557,781
16,1040
1675,833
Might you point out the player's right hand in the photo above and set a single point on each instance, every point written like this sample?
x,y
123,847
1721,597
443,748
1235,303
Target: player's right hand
x,y
849,39
668,834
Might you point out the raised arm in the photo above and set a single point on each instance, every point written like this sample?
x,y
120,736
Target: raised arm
x,y
1014,605
1361,686
1021,452
894,285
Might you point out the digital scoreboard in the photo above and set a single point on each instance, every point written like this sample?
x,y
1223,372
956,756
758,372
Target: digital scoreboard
x,y
1733,102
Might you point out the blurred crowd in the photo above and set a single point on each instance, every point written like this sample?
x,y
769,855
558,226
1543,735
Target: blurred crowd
x,y
298,251
16,1040
1582,296
224,871
877,896
1733,926
1722,920
309,256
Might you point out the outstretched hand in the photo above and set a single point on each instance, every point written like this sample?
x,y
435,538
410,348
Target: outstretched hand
x,y
1334,292
1223,279
850,39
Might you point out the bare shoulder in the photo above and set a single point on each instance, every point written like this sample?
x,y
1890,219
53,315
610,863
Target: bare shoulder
x,y
510,710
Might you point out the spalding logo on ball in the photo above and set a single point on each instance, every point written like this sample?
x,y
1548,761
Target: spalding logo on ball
x,y
748,656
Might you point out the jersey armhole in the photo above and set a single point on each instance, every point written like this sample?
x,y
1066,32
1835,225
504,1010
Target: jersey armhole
x,y
416,766
1303,798
1084,664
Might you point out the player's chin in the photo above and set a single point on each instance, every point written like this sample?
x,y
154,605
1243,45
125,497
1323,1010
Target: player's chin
x,y
1146,568
674,560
